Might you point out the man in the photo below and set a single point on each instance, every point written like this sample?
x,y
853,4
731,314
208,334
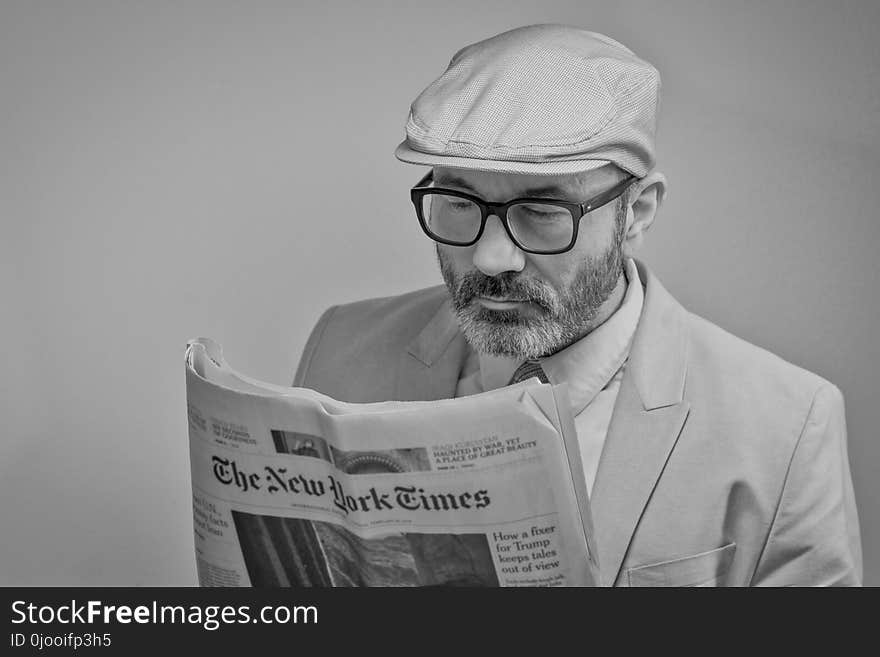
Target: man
x,y
709,461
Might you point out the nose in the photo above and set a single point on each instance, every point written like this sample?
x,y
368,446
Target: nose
x,y
495,253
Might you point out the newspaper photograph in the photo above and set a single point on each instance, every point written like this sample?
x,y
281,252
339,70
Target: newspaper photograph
x,y
292,488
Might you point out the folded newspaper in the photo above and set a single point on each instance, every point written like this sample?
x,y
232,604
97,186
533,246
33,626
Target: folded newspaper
x,y
294,488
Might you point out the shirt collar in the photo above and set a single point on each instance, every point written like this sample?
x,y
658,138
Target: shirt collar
x,y
589,364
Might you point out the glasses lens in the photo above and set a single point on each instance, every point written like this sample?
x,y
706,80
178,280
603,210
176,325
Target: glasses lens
x,y
451,218
541,226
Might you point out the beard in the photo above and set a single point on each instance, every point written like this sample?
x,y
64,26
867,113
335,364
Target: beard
x,y
561,317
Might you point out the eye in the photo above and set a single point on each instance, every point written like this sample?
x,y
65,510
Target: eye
x,y
452,204
545,213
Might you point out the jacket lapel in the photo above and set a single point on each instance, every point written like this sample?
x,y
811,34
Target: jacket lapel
x,y
648,417
429,367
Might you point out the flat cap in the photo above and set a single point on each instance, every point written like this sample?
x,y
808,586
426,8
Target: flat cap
x,y
540,99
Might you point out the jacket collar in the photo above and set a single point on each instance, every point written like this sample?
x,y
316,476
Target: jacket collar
x,y
430,366
648,418
658,359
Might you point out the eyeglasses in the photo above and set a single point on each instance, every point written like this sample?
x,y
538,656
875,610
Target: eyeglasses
x,y
536,225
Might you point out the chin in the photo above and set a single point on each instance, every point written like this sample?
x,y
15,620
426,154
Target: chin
x,y
492,318
504,340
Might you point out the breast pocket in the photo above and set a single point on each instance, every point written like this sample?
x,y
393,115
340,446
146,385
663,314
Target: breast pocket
x,y
703,569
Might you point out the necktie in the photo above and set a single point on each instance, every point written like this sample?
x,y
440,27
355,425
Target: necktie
x,y
526,371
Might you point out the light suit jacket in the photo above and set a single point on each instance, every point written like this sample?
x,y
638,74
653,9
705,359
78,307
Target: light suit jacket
x,y
723,464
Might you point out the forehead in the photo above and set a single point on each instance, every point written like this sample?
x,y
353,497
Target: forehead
x,y
499,186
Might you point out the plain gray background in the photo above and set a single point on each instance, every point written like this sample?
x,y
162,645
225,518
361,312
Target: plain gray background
x,y
225,169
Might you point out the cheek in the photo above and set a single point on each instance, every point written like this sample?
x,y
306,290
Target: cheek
x,y
594,240
556,271
596,233
460,259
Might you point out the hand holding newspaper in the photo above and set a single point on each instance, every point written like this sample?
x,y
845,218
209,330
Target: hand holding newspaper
x,y
294,488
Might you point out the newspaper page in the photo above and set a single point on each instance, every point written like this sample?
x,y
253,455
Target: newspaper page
x,y
294,488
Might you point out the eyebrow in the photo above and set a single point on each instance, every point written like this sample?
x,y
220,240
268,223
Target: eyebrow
x,y
548,191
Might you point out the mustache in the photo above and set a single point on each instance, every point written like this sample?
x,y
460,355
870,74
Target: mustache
x,y
508,285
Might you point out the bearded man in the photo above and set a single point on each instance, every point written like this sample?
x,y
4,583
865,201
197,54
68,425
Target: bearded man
x,y
708,460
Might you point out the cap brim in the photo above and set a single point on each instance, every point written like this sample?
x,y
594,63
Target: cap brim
x,y
551,168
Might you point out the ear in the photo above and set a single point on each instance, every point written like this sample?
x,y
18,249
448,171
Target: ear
x,y
646,195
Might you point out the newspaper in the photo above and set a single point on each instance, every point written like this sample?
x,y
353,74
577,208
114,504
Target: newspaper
x,y
294,488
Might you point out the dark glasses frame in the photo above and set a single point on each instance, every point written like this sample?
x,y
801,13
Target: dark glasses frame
x,y
576,210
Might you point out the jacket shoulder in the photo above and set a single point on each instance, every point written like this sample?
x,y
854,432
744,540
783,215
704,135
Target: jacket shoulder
x,y
745,362
364,336
768,398
396,311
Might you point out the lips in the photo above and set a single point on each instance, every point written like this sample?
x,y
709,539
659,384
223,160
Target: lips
x,y
501,303
502,292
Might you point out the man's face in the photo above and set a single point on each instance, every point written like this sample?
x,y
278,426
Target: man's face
x,y
517,304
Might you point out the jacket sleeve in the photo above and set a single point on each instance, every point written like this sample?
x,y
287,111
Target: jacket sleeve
x,y
311,346
814,539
